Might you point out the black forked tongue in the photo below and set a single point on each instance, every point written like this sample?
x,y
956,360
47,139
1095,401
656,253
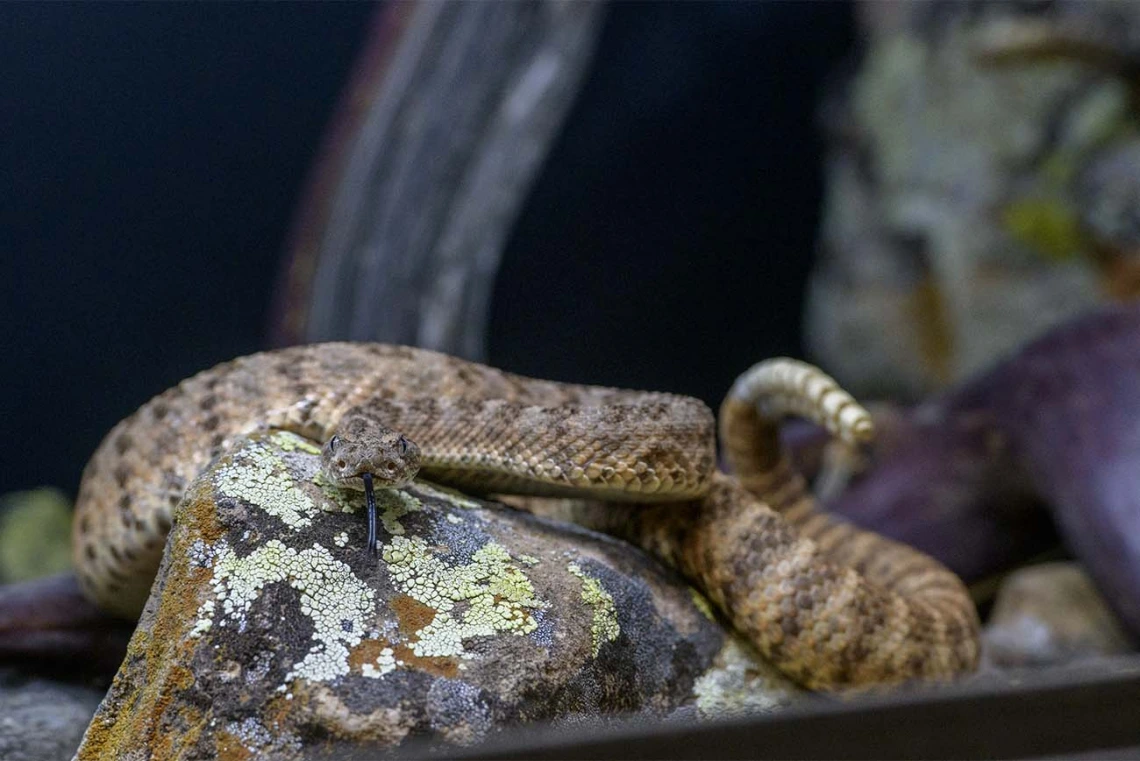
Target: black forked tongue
x,y
370,498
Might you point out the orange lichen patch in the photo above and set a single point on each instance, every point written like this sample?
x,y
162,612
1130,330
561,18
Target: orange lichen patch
x,y
281,710
144,716
229,747
148,687
181,678
431,664
164,701
368,651
199,509
97,742
178,612
412,614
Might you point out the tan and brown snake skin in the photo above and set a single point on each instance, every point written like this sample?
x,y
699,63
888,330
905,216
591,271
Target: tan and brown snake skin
x,y
830,605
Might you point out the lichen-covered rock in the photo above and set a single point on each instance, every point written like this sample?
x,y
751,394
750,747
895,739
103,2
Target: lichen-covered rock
x,y
271,632
1050,614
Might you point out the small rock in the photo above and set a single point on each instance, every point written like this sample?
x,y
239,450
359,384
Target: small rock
x,y
271,631
42,720
1051,614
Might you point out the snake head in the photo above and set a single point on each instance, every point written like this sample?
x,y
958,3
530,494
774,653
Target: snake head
x,y
360,446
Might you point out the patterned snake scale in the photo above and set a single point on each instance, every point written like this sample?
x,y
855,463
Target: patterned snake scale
x,y
830,605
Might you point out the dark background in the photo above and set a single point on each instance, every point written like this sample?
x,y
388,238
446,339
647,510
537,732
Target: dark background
x,y
153,155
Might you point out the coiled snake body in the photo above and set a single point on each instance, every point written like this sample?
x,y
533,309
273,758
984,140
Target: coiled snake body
x,y
830,605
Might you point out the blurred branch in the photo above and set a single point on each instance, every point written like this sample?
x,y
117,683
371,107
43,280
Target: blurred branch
x,y
442,130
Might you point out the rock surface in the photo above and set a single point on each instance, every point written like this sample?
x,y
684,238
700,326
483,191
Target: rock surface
x,y
42,720
1051,614
271,632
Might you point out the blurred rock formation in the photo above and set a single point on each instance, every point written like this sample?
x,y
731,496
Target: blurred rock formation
x,y
982,187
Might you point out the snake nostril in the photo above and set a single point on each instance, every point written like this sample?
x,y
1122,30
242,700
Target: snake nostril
x,y
340,463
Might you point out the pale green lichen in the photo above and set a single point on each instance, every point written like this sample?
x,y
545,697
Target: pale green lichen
x,y
499,597
257,475
341,539
205,619
392,505
385,663
445,494
291,442
338,499
605,626
702,604
741,682
486,596
338,604
1049,226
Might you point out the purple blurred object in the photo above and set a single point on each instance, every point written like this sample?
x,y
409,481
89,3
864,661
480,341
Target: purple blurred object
x,y
1057,423
47,625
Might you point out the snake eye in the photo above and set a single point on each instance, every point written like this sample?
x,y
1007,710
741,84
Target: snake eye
x,y
334,442
403,444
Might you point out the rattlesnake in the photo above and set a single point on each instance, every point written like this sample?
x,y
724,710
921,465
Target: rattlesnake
x,y
849,608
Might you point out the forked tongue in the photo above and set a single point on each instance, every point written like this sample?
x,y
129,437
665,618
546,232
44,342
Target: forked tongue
x,y
370,498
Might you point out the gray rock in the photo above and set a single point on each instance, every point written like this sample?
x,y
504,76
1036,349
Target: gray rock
x,y
270,630
42,720
1051,614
